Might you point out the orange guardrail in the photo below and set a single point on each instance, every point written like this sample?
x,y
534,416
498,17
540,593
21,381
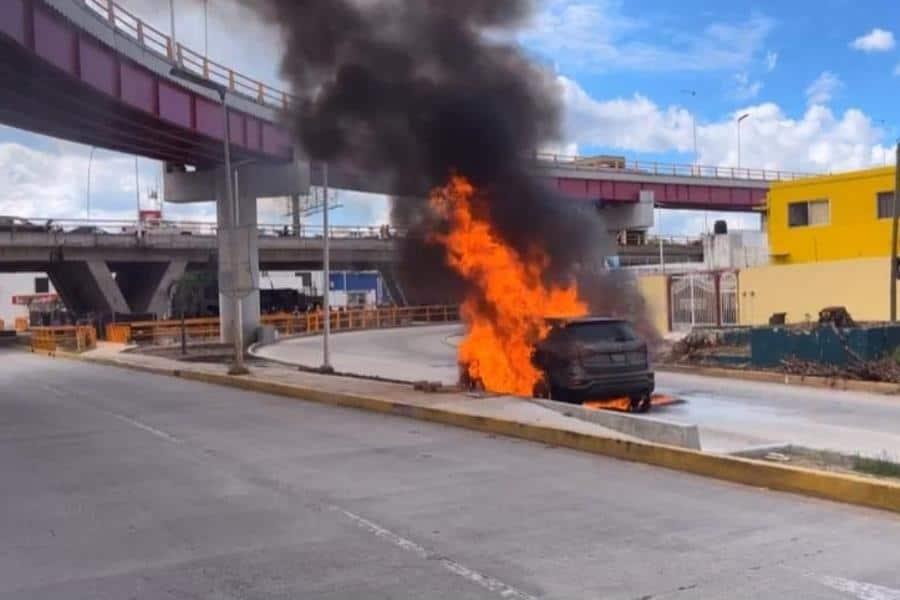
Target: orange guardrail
x,y
71,338
21,324
205,329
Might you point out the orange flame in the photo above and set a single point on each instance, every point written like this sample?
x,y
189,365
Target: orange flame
x,y
505,316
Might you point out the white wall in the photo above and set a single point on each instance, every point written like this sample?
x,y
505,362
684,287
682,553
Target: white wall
x,y
15,284
736,250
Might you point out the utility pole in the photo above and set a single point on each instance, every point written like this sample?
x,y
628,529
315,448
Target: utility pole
x,y
741,118
326,276
137,198
894,222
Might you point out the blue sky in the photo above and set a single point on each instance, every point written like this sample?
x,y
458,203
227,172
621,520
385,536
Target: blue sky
x,y
819,79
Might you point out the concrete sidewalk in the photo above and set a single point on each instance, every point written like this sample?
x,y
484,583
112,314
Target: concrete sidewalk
x,y
505,407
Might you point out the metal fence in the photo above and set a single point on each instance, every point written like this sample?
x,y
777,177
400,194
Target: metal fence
x,y
73,338
206,329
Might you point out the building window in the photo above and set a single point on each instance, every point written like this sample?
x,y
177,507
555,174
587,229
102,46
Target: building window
x,y
885,205
811,212
41,285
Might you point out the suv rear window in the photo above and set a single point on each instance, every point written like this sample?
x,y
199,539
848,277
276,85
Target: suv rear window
x,y
613,331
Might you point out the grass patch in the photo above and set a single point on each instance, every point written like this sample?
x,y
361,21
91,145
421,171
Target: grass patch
x,y
880,467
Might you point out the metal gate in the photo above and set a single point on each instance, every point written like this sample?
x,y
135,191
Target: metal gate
x,y
693,301
728,298
703,299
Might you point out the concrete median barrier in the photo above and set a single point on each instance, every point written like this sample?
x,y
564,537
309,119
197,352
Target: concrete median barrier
x,y
645,428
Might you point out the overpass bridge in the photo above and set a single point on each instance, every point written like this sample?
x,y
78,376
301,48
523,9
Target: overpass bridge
x,y
115,267
131,273
90,71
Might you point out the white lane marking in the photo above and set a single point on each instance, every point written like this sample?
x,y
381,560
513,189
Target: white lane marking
x,y
147,428
860,589
485,581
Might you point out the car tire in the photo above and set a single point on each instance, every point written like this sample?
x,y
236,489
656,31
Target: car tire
x,y
640,404
541,390
561,394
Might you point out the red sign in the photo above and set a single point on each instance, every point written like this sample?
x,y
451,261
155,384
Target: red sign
x,y
26,299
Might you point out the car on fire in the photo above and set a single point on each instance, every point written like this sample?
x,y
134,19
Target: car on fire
x,y
594,358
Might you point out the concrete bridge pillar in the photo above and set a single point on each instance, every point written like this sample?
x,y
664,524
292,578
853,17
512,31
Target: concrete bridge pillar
x,y
243,241
253,181
147,286
88,287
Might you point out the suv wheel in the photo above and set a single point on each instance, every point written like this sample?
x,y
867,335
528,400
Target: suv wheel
x,y
541,390
640,404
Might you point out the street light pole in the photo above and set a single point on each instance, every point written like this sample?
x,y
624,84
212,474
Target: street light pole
x,y
237,334
172,29
693,94
206,29
741,118
88,199
894,221
326,275
232,209
137,198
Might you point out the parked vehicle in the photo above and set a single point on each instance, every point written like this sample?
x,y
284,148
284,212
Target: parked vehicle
x,y
594,358
88,230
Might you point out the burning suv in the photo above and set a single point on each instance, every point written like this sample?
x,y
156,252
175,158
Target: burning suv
x,y
593,358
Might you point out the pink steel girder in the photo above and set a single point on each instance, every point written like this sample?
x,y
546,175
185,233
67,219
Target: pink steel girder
x,y
61,81
686,195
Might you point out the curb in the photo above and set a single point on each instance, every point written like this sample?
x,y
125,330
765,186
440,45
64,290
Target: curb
x,y
847,489
876,387
640,426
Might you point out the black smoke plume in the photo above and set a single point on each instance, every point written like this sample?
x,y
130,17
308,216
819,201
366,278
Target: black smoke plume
x,y
420,89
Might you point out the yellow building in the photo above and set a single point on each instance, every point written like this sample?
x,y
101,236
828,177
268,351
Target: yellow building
x,y
833,217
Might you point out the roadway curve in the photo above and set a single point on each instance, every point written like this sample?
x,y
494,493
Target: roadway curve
x,y
732,414
120,484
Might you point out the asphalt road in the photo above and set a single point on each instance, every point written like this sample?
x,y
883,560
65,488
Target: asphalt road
x,y
732,414
124,485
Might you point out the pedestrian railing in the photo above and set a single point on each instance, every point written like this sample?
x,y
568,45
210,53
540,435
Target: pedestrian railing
x,y
207,329
70,338
647,167
154,40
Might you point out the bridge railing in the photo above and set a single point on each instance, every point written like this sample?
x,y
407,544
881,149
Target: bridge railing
x,y
101,227
205,329
160,43
645,167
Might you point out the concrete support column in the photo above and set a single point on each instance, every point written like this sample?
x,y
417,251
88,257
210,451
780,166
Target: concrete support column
x,y
246,244
146,286
158,302
88,288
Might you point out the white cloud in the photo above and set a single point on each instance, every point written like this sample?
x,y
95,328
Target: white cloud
x,y
744,89
771,61
597,35
823,88
53,182
816,141
877,40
